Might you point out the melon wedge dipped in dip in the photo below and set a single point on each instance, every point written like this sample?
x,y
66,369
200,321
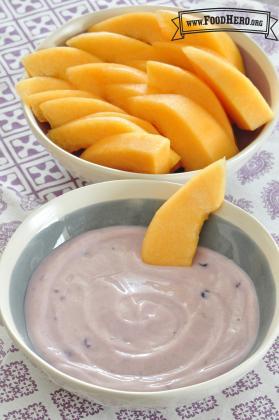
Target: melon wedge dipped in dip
x,y
173,234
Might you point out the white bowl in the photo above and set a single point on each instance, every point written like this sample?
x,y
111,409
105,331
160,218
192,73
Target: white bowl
x,y
230,231
259,69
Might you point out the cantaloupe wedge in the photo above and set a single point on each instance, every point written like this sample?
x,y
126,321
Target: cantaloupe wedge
x,y
219,42
172,53
173,234
113,48
241,99
27,87
194,133
82,133
94,77
134,152
37,99
54,61
142,26
61,111
175,161
171,79
118,94
145,125
138,64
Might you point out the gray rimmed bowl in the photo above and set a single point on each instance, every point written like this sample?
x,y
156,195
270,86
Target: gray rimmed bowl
x,y
230,231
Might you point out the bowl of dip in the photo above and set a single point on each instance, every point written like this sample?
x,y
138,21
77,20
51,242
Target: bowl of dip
x,y
79,302
259,69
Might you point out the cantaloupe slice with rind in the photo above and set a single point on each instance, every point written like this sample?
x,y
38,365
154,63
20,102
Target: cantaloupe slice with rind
x,y
145,125
113,48
219,42
143,26
133,152
172,236
242,100
82,133
94,77
27,87
54,61
64,110
37,99
166,78
194,134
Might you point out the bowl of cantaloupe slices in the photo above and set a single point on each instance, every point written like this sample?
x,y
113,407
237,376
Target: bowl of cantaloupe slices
x,y
112,97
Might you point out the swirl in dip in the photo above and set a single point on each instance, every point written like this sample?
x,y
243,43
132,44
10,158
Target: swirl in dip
x,y
95,311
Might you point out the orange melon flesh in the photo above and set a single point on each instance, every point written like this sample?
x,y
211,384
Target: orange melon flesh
x,y
134,152
27,87
113,48
54,61
82,133
242,100
172,236
145,125
194,133
63,110
175,161
142,26
37,99
138,64
94,77
172,53
219,42
171,79
118,94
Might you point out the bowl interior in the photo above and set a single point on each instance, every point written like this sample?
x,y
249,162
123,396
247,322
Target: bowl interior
x,y
257,75
217,234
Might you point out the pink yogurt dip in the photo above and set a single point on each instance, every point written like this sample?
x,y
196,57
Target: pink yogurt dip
x,y
95,311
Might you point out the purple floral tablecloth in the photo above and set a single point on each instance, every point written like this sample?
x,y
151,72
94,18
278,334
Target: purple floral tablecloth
x,y
29,176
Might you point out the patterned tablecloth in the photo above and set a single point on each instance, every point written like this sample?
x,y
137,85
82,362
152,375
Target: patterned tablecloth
x,y
29,176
